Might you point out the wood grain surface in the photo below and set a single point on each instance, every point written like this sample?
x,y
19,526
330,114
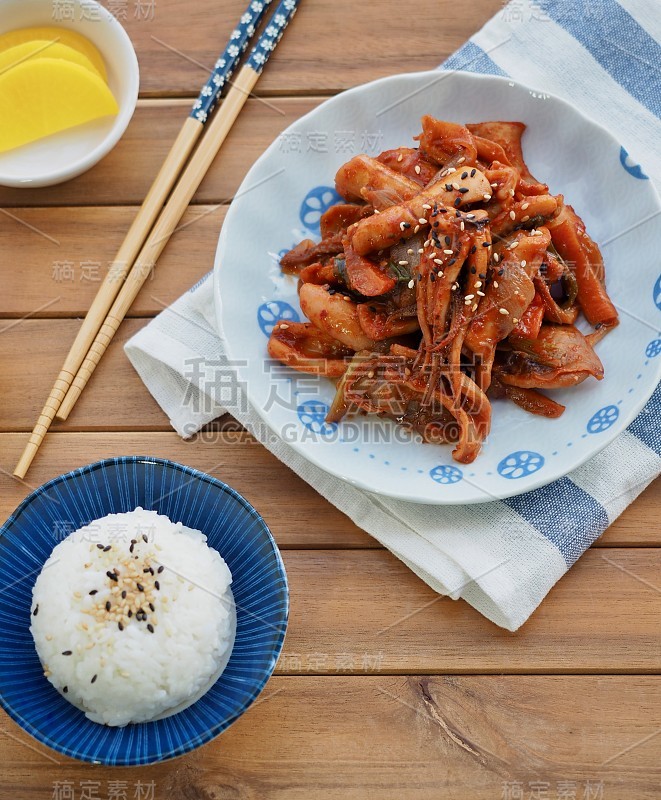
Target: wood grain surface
x,y
384,691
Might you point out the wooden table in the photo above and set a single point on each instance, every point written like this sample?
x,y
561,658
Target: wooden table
x,y
441,704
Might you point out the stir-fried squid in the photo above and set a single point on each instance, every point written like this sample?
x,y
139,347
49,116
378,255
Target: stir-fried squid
x,y
448,273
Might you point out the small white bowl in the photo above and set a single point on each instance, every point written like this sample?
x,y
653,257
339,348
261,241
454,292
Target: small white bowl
x,y
66,154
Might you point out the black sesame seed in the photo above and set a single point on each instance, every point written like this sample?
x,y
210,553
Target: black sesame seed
x,y
67,652
463,190
157,585
150,628
473,171
94,591
100,546
473,249
482,275
124,594
147,569
452,261
464,175
140,587
106,549
406,224
448,187
435,224
96,676
473,270
152,606
448,240
331,292
120,626
443,210
486,244
457,213
131,549
111,575
65,689
145,539
432,276
36,610
130,613
501,271
457,202
108,605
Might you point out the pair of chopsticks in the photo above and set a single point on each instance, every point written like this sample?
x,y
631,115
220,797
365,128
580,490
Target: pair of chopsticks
x,y
178,180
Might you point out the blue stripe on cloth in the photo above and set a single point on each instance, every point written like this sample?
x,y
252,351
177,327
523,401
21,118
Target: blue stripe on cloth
x,y
472,58
565,514
647,425
616,41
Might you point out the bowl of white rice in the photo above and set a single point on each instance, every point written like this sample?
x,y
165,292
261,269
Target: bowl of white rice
x,y
143,606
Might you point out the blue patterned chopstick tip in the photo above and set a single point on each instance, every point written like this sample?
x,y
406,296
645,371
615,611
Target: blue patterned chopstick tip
x,y
228,60
272,34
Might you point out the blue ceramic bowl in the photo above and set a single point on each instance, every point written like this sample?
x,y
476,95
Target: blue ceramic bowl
x,y
231,525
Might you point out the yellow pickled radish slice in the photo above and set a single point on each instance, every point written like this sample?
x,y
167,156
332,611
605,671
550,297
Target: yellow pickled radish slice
x,y
43,96
42,48
59,36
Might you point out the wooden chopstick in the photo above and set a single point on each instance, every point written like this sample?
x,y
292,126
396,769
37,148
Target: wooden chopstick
x,y
142,225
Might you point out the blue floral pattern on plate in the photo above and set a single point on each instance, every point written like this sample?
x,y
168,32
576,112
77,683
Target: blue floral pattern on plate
x,y
634,170
657,293
603,419
520,464
653,348
446,473
315,202
312,414
273,310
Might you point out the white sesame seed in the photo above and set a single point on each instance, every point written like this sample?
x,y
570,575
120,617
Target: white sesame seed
x,y
467,302
417,169
402,263
416,229
503,311
348,299
455,186
511,192
495,284
427,206
462,226
481,294
421,250
370,374
438,261
402,225
524,206
474,307
376,211
512,215
400,157
426,243
487,197
454,287
411,283
409,251
440,273
469,297
496,257
477,284
514,245
514,320
423,220
526,218
448,252
494,185
283,326
461,160
523,263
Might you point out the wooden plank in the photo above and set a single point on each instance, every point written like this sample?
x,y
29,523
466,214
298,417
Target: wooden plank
x,y
328,46
236,459
125,175
400,738
297,515
60,278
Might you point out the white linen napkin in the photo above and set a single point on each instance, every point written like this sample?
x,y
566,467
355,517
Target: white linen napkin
x,y
502,557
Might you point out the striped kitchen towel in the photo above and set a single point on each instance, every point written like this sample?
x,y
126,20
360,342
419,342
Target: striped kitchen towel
x,y
501,557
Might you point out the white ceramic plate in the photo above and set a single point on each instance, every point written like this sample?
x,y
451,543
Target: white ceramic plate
x,y
280,202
